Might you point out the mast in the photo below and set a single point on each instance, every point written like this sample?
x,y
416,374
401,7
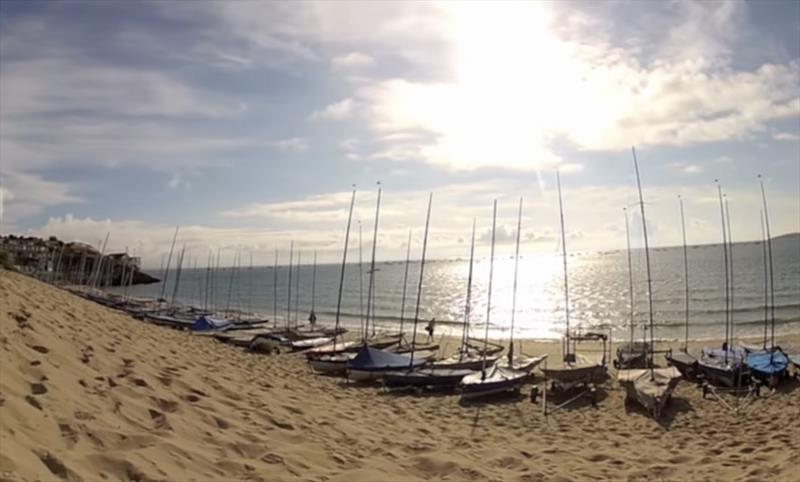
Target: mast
x,y
208,277
169,260
567,355
405,283
230,283
489,294
725,259
250,286
178,271
647,259
766,278
371,286
361,282
730,260
275,289
314,285
685,277
771,265
97,266
419,286
297,290
289,296
468,302
630,275
514,295
344,262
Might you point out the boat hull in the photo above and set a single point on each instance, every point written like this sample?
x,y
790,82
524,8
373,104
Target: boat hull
x,y
768,367
426,377
651,388
569,375
497,380
685,363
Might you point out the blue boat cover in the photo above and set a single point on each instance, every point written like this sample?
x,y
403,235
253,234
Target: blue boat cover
x,y
768,363
369,359
206,323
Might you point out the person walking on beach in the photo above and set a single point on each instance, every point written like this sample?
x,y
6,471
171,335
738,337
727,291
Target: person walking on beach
x,y
312,318
430,327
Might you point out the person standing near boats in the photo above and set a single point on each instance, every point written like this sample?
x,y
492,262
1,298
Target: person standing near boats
x,y
431,326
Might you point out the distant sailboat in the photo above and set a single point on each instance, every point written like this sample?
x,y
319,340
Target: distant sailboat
x,y
632,354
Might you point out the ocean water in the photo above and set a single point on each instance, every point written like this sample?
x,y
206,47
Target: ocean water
x,y
598,290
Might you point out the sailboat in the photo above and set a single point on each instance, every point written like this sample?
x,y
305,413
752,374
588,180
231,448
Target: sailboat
x,y
575,369
521,362
770,364
372,363
652,387
333,358
468,356
725,365
685,362
448,372
632,354
492,379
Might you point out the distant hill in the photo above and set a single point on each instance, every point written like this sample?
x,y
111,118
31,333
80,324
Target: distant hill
x,y
787,237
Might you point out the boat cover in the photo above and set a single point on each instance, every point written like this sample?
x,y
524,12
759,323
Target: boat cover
x,y
369,359
206,323
735,354
768,363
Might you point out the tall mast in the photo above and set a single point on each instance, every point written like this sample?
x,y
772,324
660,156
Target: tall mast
x,y
275,289
468,302
208,272
297,290
344,262
289,294
419,286
250,286
169,260
371,286
771,265
630,275
178,270
361,282
647,259
314,283
567,356
730,260
725,259
99,264
405,284
514,295
230,283
489,294
766,278
685,277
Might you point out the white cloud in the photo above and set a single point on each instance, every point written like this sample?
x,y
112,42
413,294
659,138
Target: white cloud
x,y
293,144
786,136
353,59
334,112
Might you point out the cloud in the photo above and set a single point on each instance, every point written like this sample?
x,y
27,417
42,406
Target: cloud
x,y
353,59
786,136
334,112
293,144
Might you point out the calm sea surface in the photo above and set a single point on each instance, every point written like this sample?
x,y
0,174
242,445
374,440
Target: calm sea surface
x,y
598,288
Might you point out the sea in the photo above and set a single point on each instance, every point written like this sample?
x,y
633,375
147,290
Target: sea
x,y
599,294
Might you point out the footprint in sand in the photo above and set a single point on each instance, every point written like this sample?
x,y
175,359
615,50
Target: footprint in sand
x,y
160,419
40,349
68,433
55,466
38,388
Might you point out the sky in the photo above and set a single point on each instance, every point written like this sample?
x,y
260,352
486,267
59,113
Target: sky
x,y
248,123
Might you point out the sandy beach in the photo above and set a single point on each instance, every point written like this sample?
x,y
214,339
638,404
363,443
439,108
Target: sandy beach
x,y
90,394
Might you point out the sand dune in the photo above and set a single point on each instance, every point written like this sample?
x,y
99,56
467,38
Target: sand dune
x,y
90,394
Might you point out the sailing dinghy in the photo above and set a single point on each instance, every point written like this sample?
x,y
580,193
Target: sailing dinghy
x,y
652,387
492,380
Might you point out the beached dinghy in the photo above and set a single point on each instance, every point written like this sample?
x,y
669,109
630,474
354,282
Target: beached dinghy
x,y
631,355
426,377
308,343
651,387
492,380
333,364
769,366
685,362
723,366
371,363
578,370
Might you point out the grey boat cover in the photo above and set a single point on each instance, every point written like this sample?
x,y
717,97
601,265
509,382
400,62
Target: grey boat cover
x,y
369,358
